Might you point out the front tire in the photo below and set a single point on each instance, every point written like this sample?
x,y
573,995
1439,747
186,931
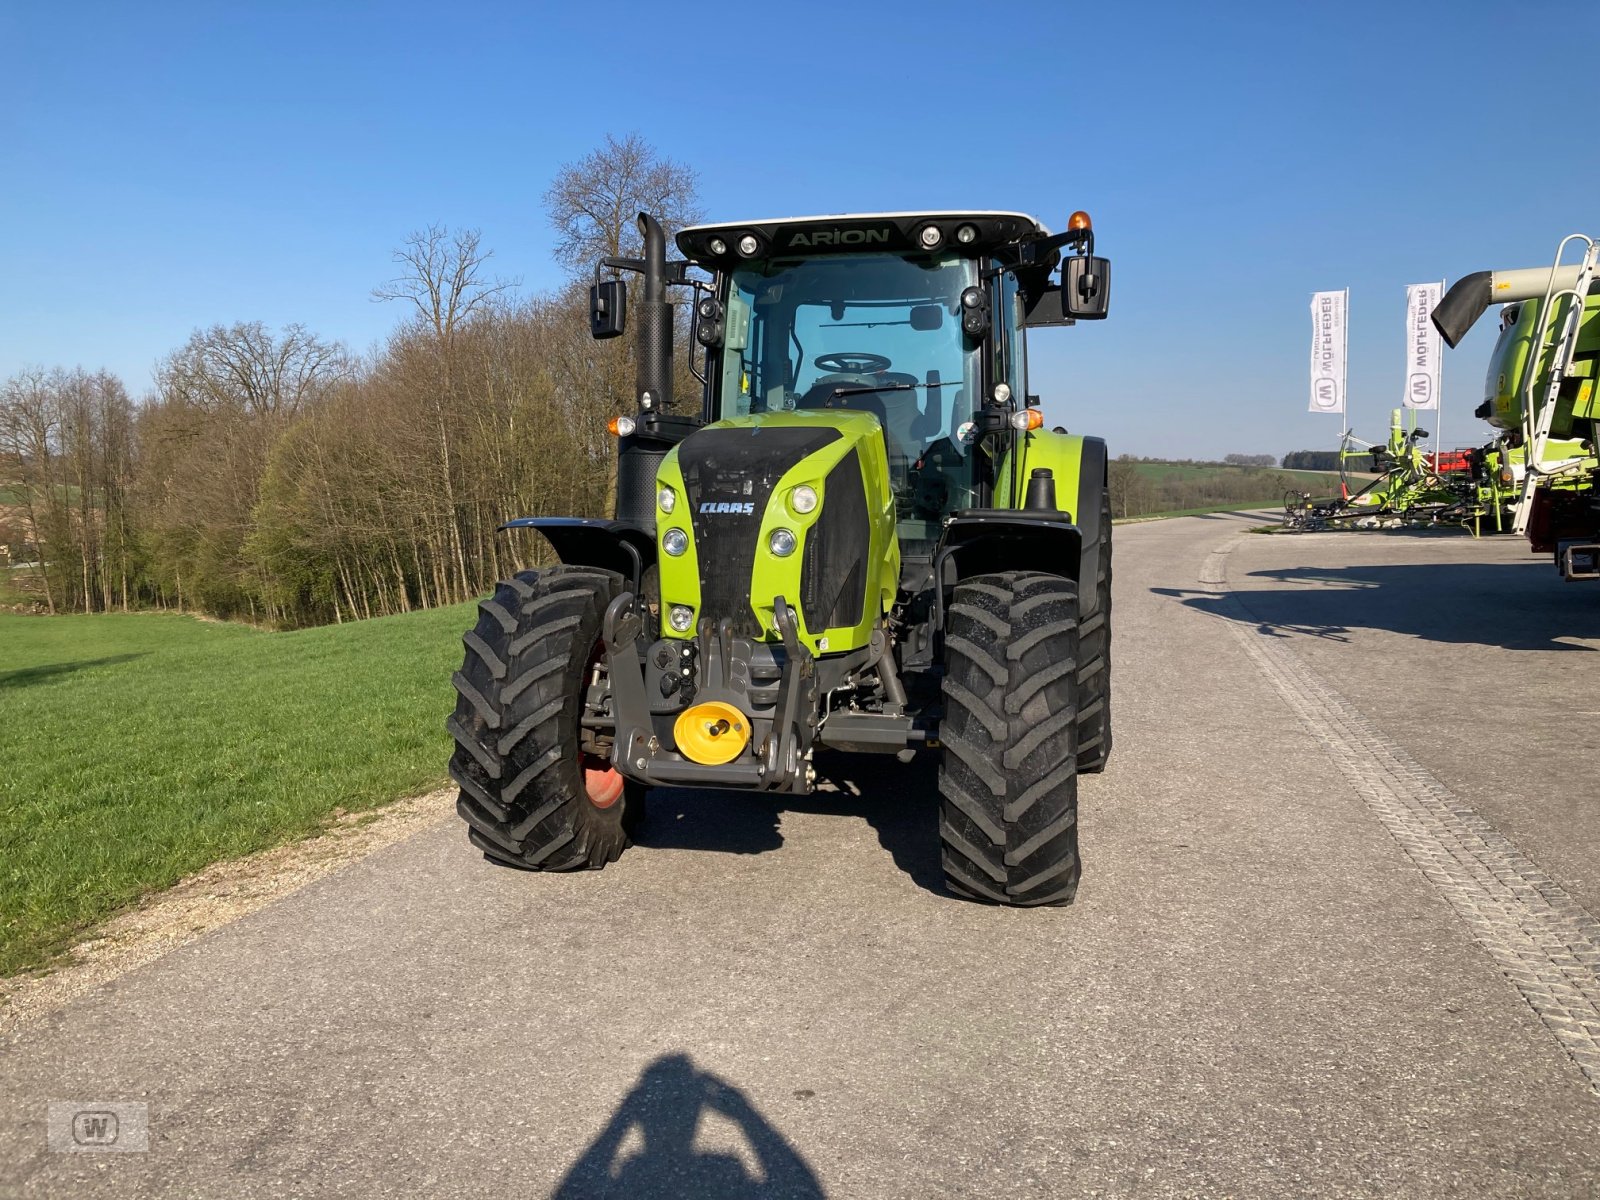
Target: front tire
x,y
1008,782
531,795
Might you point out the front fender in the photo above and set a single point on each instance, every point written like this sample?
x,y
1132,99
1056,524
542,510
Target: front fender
x,y
984,541
596,542
1079,467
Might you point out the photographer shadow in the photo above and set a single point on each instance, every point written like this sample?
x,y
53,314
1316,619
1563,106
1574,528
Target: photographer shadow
x,y
648,1149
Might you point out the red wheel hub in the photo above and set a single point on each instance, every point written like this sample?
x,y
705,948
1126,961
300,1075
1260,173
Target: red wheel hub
x,y
602,782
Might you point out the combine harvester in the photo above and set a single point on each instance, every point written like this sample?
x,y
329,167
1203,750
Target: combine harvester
x,y
1541,392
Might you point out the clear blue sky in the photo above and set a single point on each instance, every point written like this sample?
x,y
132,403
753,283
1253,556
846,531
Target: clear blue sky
x,y
172,165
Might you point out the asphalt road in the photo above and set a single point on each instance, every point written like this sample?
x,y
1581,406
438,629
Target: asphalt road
x,y
1257,993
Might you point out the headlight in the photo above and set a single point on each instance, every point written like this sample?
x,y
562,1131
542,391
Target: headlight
x,y
675,542
680,618
803,499
667,499
781,542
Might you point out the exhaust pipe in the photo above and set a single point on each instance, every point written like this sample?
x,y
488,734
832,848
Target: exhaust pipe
x,y
640,453
655,323
1470,296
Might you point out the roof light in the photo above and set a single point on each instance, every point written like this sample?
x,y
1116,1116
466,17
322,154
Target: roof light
x,y
930,236
748,245
620,426
1079,220
967,234
717,246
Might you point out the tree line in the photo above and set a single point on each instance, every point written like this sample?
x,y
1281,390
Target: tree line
x,y
274,476
1141,487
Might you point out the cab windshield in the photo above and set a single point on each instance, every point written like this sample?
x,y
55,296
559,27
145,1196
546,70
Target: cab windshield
x,y
866,333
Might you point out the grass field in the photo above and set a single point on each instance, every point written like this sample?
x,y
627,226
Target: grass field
x,y
1165,472
1172,489
137,748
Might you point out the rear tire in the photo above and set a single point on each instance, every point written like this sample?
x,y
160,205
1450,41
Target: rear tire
x,y
526,787
1094,652
1008,782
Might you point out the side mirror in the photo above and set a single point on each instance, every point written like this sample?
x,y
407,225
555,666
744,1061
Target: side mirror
x,y
608,309
1086,287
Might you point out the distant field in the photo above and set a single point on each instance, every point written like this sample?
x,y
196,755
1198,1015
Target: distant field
x,y
1181,489
1162,472
141,747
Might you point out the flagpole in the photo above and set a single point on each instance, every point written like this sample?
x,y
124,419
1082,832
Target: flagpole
x,y
1344,384
1438,421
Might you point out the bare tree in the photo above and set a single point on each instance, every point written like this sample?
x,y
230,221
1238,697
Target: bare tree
x,y
441,273
593,202
1130,489
243,368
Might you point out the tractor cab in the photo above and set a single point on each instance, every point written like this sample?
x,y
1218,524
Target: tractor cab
x,y
914,319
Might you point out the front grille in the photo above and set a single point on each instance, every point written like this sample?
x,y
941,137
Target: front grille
x,y
736,468
833,571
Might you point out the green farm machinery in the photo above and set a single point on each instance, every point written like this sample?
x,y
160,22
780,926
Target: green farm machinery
x,y
1412,488
858,537
1541,393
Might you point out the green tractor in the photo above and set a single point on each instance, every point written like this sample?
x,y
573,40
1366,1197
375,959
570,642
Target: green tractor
x,y
861,538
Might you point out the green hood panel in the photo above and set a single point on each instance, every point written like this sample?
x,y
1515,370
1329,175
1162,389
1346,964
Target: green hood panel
x,y
733,487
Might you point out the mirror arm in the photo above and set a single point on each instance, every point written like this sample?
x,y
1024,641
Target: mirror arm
x,y
677,272
619,264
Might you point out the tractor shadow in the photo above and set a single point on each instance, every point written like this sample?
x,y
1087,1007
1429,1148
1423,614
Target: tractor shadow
x,y
1511,606
898,800
648,1147
28,676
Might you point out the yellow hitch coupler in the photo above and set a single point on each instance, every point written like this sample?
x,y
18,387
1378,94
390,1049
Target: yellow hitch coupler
x,y
712,733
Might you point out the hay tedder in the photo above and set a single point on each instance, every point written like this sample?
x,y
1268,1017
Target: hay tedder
x,y
1413,488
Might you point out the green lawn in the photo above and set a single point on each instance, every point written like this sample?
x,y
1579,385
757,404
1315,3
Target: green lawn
x,y
136,749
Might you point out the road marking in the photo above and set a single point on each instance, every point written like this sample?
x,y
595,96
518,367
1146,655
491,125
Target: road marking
x,y
1542,940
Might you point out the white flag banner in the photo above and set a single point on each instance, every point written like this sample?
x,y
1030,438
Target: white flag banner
x,y
1327,351
1424,347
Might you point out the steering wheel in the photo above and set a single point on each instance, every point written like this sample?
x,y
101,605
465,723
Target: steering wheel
x,y
851,363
